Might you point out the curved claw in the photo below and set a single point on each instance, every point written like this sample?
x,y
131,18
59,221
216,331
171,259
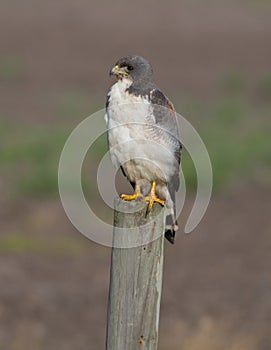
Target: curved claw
x,y
131,197
137,195
152,198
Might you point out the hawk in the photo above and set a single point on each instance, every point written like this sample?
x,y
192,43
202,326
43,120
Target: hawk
x,y
143,136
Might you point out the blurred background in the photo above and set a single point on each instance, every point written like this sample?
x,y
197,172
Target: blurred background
x,y
213,59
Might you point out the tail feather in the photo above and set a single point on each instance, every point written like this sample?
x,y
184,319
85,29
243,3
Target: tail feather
x,y
171,222
170,236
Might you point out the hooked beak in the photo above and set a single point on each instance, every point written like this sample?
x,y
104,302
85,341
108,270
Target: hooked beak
x,y
115,70
119,72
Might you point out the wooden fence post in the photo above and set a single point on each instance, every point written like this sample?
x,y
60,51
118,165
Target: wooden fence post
x,y
135,278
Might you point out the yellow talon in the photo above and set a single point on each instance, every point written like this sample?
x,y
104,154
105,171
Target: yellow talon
x,y
130,197
152,198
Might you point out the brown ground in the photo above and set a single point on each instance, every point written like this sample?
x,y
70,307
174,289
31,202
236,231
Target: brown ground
x,y
217,290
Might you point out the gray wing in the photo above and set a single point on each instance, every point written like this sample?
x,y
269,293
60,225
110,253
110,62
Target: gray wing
x,y
165,117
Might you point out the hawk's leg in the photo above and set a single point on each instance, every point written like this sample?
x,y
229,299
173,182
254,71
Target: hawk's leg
x,y
130,197
151,198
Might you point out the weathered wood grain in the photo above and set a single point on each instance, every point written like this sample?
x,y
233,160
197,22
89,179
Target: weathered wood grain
x,y
135,278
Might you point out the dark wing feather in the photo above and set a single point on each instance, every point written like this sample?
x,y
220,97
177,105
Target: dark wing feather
x,y
165,116
123,172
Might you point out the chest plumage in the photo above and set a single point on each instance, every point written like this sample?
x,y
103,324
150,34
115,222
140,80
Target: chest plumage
x,y
132,139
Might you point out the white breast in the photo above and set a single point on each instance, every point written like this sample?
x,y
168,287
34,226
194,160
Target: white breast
x,y
124,111
128,140
125,107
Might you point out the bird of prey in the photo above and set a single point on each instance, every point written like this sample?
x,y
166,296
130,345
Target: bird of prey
x,y
143,136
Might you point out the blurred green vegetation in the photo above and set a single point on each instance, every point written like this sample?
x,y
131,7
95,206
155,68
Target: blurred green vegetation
x,y
11,68
264,87
236,134
29,155
21,243
71,104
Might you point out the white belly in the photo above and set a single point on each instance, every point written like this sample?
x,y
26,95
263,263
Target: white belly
x,y
131,143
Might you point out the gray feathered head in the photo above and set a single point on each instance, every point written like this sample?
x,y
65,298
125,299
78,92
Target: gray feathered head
x,y
135,68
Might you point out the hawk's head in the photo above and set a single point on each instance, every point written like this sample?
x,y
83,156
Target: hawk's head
x,y
135,68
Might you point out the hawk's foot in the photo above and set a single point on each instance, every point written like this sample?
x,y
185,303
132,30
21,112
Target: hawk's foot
x,y
131,197
137,195
152,198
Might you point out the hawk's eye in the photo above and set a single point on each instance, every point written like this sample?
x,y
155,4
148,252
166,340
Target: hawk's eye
x,y
129,67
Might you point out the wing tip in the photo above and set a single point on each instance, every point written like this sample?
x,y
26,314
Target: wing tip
x,y
170,236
